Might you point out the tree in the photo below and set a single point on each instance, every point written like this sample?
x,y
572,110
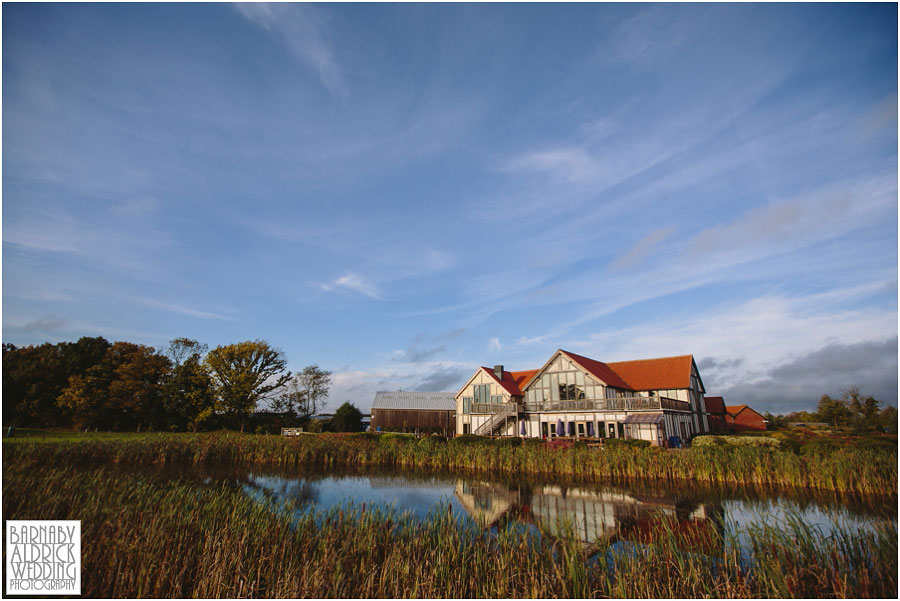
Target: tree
x,y
86,398
347,418
244,374
188,397
35,376
139,374
833,411
304,392
122,391
887,420
863,411
775,422
181,349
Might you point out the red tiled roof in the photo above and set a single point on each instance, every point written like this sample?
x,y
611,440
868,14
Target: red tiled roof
x,y
508,382
655,374
600,370
735,409
522,378
714,404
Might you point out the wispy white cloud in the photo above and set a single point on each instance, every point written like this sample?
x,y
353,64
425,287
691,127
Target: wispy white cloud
x,y
526,341
354,282
570,163
301,28
174,308
641,250
494,345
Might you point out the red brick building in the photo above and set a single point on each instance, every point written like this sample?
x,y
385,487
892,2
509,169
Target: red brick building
x,y
716,414
740,418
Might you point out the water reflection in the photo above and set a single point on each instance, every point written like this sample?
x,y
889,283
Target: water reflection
x,y
592,515
625,511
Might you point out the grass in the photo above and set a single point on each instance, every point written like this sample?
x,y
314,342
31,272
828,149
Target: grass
x,y
857,469
149,537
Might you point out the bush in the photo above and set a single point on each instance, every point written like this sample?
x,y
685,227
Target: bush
x,y
633,443
515,441
820,446
533,442
759,442
396,438
876,444
708,441
471,439
365,435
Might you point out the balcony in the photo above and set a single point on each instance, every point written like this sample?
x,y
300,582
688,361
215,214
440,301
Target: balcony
x,y
490,408
610,404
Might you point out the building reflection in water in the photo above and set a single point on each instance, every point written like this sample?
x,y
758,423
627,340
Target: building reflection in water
x,y
595,515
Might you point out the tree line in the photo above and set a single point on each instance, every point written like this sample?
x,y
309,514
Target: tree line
x,y
851,410
121,386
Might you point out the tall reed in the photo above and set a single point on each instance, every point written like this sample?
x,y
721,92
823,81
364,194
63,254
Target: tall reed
x,y
849,470
143,537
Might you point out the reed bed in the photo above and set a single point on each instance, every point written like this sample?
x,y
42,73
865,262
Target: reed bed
x,y
146,537
848,470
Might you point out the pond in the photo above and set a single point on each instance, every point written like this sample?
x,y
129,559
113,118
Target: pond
x,y
613,510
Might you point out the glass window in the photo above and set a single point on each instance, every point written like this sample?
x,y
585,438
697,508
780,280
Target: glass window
x,y
482,393
554,393
579,378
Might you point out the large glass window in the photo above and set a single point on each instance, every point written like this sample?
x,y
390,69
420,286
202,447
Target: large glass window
x,y
564,382
482,393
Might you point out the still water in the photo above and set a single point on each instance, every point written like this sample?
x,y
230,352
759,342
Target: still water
x,y
596,511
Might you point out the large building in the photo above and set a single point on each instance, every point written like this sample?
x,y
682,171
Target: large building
x,y
572,395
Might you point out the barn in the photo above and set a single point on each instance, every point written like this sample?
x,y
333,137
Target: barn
x,y
414,411
741,418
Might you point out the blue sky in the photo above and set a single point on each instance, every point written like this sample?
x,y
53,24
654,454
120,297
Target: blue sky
x,y
401,193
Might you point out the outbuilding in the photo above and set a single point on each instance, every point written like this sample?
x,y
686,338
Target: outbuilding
x,y
414,411
742,418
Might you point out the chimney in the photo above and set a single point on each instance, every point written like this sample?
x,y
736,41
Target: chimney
x,y
498,371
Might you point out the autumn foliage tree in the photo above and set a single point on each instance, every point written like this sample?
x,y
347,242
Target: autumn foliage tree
x,y
188,395
244,374
122,391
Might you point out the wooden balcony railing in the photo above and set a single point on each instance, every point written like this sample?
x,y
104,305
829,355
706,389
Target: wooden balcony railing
x,y
610,404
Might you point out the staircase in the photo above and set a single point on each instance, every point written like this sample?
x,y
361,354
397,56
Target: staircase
x,y
498,420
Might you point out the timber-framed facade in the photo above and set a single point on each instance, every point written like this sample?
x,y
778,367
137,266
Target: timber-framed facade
x,y
574,396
